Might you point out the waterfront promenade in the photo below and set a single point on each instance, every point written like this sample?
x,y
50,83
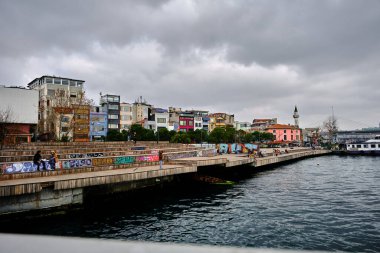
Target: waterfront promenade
x,y
129,169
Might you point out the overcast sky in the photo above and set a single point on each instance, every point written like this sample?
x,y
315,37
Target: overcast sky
x,y
254,59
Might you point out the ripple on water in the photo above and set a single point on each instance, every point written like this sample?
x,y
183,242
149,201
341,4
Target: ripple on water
x,y
331,206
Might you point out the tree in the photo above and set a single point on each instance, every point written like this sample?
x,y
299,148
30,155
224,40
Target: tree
x,y
114,135
180,137
163,134
6,116
330,127
63,113
217,135
137,132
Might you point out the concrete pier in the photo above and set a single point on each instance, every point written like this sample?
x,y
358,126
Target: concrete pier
x,y
51,189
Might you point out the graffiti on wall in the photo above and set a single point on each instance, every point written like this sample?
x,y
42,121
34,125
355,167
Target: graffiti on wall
x,y
124,160
102,161
173,156
236,148
72,156
207,152
24,167
76,163
147,158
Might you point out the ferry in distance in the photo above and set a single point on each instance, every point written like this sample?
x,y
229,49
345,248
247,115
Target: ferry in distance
x,y
370,147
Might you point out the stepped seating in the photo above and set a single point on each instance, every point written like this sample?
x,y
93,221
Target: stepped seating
x,y
84,157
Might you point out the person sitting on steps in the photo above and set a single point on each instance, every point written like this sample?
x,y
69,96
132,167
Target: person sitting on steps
x,y
37,160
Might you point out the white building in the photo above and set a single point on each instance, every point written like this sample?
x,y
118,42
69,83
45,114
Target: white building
x,y
198,123
161,118
126,117
245,126
47,87
140,110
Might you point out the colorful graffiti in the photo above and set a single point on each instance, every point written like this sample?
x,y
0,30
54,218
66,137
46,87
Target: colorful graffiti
x,y
76,163
236,148
24,167
124,160
102,161
147,158
73,156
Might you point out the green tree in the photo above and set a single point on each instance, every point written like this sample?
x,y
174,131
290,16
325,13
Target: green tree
x,y
137,132
114,135
163,134
149,135
217,135
180,137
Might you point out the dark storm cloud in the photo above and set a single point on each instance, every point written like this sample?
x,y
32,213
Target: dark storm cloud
x,y
251,58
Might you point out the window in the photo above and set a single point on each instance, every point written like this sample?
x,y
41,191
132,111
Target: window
x,y
65,82
81,116
365,146
51,92
65,119
65,129
285,137
72,83
79,84
285,131
48,80
113,126
373,145
274,131
182,123
98,129
191,123
161,120
57,81
73,94
113,116
358,146
113,107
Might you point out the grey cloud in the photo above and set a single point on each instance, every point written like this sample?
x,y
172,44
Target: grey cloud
x,y
252,58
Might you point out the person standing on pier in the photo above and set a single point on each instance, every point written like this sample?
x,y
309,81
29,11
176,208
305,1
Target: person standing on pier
x,y
160,157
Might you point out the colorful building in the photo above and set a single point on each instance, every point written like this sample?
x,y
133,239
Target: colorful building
x,y
285,133
186,122
221,120
98,124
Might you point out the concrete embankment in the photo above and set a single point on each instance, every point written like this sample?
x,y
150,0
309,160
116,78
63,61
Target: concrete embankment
x,y
45,190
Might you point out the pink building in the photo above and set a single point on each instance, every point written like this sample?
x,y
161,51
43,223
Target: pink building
x,y
285,133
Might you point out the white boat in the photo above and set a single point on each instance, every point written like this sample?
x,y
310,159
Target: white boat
x,y
368,147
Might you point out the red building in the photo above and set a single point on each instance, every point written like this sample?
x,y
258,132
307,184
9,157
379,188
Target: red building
x,y
186,122
15,133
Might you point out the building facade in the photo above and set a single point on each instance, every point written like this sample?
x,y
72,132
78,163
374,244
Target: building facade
x,y
221,120
140,110
244,126
57,96
356,136
98,124
261,124
126,118
285,133
186,122
18,117
111,105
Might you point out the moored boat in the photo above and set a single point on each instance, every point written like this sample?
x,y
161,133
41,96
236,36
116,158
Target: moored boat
x,y
370,147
